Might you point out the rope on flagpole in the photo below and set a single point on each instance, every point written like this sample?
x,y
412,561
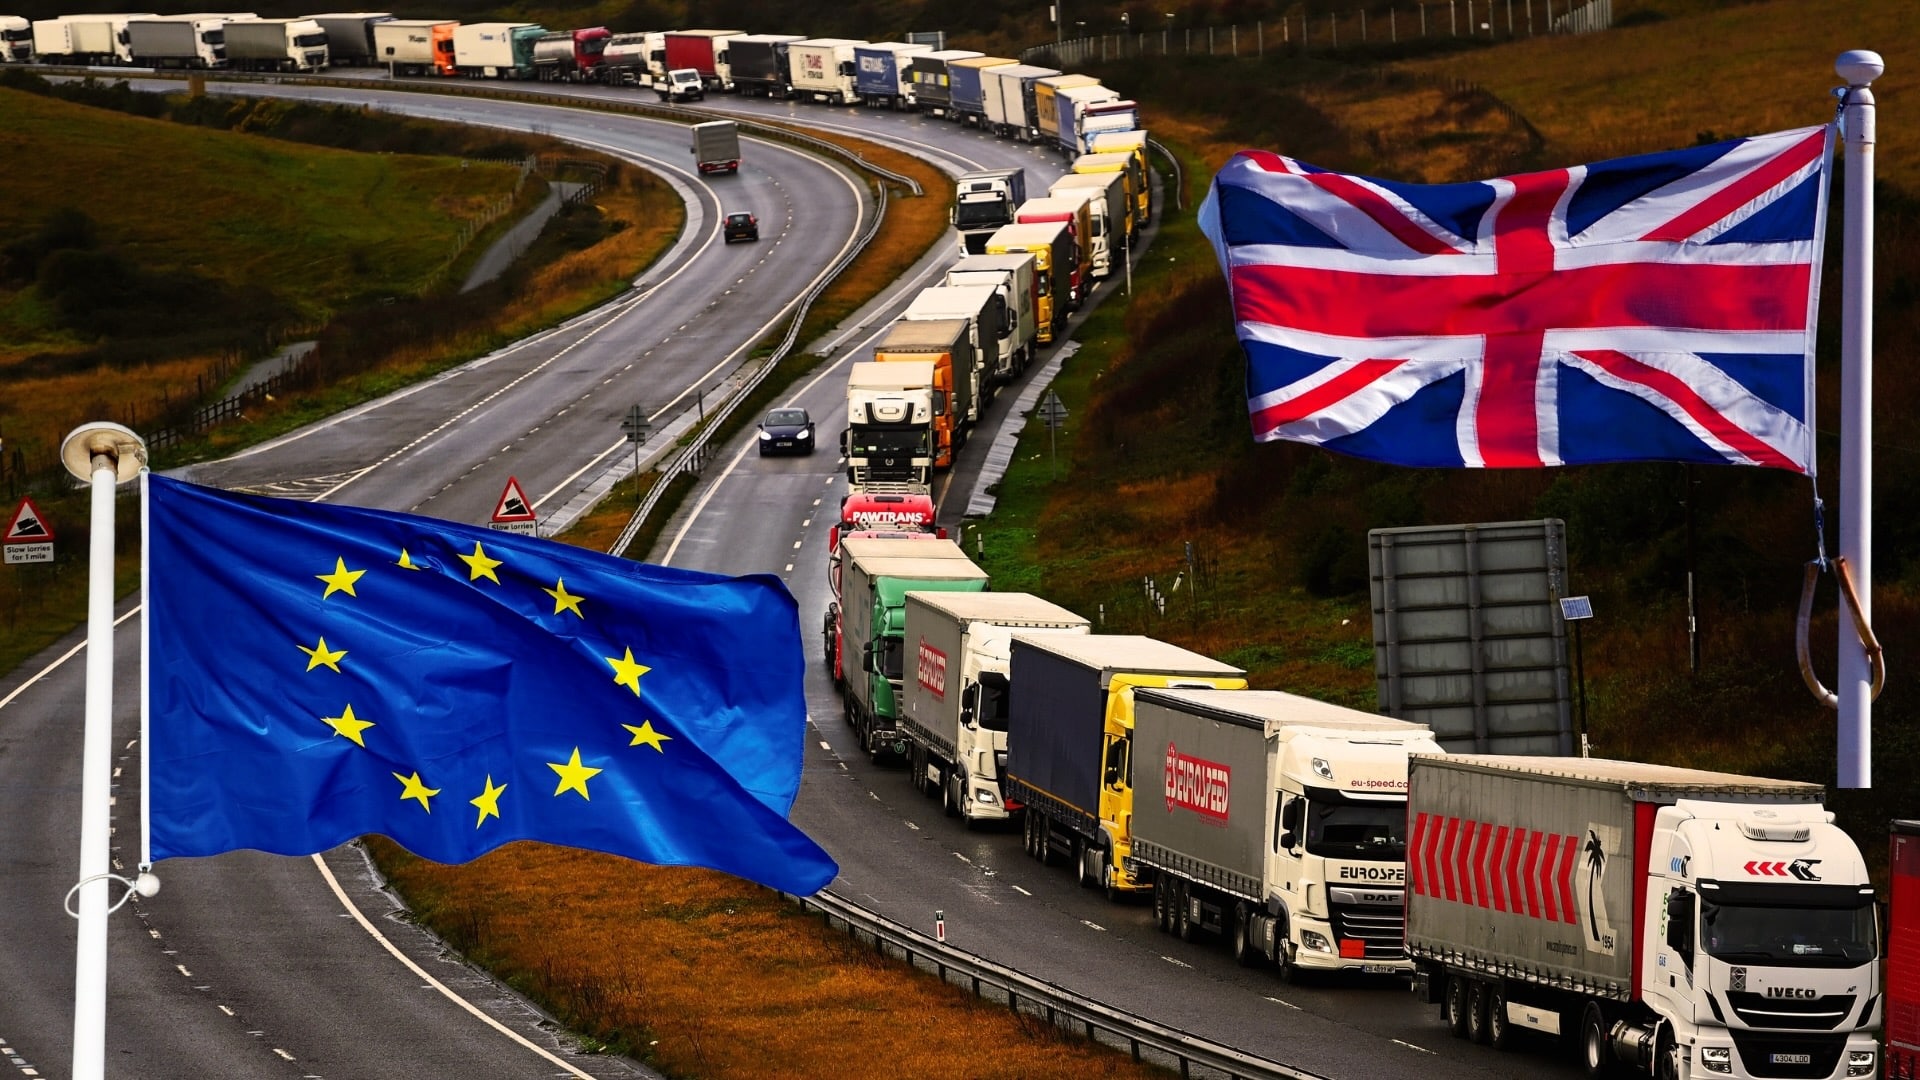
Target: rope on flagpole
x,y
1876,657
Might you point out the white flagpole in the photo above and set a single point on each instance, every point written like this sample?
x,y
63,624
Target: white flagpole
x,y
103,455
1859,68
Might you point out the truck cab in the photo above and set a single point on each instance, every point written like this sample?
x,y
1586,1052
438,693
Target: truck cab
x,y
889,441
1762,951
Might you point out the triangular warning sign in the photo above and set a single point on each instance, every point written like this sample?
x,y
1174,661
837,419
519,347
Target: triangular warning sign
x,y
27,526
513,504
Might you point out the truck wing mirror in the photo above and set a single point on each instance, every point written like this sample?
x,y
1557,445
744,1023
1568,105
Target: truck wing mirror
x,y
866,657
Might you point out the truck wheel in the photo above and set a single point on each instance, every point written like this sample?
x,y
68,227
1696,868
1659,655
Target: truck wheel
x,y
1189,928
1160,902
1109,878
1477,1011
1499,1029
1282,955
1596,1052
1455,1006
1244,953
949,794
1080,876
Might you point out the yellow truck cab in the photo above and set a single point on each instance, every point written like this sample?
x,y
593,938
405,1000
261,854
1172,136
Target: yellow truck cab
x,y
1125,151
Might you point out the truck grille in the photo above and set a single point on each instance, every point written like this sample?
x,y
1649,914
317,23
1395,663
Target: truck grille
x,y
1776,1057
1806,1014
1382,929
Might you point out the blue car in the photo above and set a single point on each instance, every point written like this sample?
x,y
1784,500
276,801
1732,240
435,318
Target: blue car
x,y
786,431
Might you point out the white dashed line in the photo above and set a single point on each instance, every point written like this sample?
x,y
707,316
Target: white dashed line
x,y
1021,891
912,826
825,745
1288,1004
1410,1046
963,858
1176,963
1093,926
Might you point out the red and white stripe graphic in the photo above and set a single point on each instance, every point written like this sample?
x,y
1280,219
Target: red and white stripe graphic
x,y
1506,868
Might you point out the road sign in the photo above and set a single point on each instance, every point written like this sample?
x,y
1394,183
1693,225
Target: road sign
x,y
1052,411
514,513
635,425
28,537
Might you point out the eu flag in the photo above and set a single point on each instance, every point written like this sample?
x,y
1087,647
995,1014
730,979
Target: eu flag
x,y
321,672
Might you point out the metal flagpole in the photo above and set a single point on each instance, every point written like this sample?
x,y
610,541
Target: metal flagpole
x,y
1858,67
104,455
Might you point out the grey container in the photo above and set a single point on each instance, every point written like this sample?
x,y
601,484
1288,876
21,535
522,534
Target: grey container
x,y
1573,924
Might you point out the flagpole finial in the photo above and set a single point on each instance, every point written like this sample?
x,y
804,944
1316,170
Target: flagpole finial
x,y
1859,66
84,443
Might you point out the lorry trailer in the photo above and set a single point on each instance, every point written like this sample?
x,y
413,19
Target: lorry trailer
x,y
1903,952
350,36
415,46
179,41
881,73
1011,276
1053,259
759,64
968,88
705,51
823,70
716,146
495,50
932,83
872,609
571,55
277,45
1674,922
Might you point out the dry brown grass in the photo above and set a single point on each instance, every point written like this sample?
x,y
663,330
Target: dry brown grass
x,y
702,974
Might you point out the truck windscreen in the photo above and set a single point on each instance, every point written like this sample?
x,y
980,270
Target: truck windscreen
x,y
1788,936
981,212
1347,830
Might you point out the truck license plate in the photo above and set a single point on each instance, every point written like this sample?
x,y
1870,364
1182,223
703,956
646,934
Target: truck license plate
x,y
1377,969
1790,1059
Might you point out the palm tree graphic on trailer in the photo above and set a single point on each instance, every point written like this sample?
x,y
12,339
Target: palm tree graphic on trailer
x,y
1599,926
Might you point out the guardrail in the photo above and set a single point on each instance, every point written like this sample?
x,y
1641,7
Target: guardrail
x,y
1147,1041
694,454
1179,174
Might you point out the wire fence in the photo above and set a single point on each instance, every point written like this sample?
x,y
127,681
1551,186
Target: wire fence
x,y
1488,20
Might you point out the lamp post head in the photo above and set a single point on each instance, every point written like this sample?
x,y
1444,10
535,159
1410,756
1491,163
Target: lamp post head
x,y
82,444
1859,66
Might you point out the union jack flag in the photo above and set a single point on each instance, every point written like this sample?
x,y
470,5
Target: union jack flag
x,y
1652,308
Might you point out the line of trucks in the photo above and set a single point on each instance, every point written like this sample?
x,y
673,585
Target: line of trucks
x,y
1074,113
1657,921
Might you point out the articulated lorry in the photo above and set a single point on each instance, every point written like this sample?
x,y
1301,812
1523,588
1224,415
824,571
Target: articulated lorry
x,y
85,39
889,441
716,146
1086,110
1054,258
968,88
1011,276
495,50
179,41
1283,828
985,315
865,511
1109,210
955,719
983,202
1675,922
415,46
1070,743
932,83
1009,100
1046,106
1072,210
875,544
277,45
624,61
350,36
705,51
1123,152
947,344
874,583
759,64
823,70
880,74
571,55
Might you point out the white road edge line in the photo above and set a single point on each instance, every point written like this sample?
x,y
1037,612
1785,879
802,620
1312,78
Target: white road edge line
x,y
374,932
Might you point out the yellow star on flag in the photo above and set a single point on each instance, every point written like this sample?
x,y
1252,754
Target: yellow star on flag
x,y
349,725
406,561
341,580
488,801
320,656
480,565
414,788
564,600
627,672
645,734
574,775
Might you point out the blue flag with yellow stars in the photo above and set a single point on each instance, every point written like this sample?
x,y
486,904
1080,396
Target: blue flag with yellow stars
x,y
318,672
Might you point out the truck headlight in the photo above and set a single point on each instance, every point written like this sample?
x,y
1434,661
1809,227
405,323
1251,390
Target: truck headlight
x,y
1717,1059
1860,1062
1315,940
985,797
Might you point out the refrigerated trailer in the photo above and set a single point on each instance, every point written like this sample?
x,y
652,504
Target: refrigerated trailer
x,y
823,70
415,46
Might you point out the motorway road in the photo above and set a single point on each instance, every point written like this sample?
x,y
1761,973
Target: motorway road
x,y
240,924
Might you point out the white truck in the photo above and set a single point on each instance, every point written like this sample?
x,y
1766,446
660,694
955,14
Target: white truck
x,y
16,40
1675,923
985,314
180,41
277,45
495,50
1011,111
415,46
889,441
716,146
955,719
1106,195
1283,827
824,70
1012,277
84,39
625,61
984,202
